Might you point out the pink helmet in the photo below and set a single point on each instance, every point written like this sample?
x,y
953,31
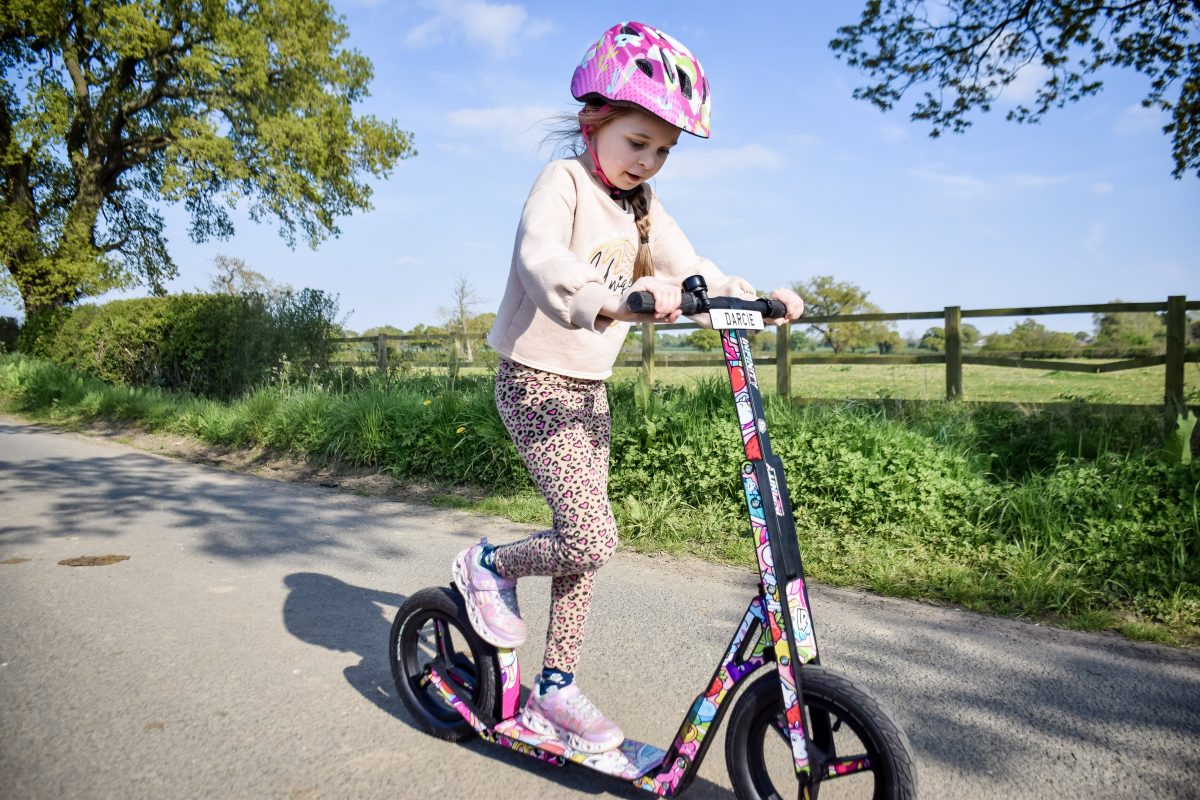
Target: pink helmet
x,y
635,63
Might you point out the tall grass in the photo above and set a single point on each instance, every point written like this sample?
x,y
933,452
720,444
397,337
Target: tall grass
x,y
1066,511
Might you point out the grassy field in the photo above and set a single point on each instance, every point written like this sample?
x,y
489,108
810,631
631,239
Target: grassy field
x,y
928,382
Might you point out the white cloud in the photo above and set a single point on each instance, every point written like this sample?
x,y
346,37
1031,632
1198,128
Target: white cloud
x,y
723,162
1095,237
1030,181
1025,85
516,129
1102,187
966,185
500,28
960,184
1139,119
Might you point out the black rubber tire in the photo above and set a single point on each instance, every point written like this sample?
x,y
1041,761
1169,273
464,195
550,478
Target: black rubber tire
x,y
832,703
411,647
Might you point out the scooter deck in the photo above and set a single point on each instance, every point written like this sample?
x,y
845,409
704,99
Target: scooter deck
x,y
630,760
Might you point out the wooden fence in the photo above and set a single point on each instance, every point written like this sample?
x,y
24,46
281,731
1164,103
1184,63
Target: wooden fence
x,y
1173,359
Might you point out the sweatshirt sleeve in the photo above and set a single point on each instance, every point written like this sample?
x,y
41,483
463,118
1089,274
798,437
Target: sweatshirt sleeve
x,y
560,283
675,259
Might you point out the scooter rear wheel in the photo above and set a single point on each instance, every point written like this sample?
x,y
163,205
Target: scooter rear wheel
x,y
431,623
845,721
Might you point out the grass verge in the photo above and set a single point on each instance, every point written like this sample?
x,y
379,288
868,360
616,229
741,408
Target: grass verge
x,y
1068,514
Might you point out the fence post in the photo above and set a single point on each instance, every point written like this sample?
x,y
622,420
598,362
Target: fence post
x,y
381,353
648,351
783,360
1176,345
954,390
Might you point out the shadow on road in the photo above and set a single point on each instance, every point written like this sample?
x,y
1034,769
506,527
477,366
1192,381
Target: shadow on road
x,y
1081,692
238,518
322,610
336,615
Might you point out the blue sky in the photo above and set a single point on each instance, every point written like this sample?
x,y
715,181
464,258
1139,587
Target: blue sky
x,y
797,180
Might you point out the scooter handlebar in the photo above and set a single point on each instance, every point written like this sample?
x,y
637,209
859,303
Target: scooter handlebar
x,y
643,303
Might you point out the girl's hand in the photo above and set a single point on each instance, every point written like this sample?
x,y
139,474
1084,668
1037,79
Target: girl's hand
x,y
666,302
792,302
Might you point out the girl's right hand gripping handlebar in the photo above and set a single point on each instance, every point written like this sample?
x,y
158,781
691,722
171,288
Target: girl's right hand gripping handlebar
x,y
695,300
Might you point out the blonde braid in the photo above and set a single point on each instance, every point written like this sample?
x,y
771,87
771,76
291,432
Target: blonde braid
x,y
643,262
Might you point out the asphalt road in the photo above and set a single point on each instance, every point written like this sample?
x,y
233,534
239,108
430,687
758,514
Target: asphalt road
x,y
241,652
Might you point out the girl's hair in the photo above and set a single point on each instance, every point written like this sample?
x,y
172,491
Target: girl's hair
x,y
567,135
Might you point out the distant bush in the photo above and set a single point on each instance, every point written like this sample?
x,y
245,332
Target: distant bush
x,y
1031,336
214,345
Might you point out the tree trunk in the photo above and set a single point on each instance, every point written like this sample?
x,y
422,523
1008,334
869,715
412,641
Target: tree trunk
x,y
65,276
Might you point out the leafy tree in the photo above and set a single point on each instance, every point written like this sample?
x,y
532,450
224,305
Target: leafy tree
x,y
481,324
233,276
664,339
1031,336
387,330
825,297
1129,330
436,334
935,338
966,53
800,341
886,338
704,339
762,341
110,107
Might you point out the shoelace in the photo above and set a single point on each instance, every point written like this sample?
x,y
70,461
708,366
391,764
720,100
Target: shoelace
x,y
586,711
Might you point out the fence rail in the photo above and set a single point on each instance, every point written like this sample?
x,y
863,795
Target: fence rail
x,y
1176,356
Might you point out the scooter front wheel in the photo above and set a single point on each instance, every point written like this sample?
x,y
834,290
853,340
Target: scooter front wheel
x,y
430,624
845,722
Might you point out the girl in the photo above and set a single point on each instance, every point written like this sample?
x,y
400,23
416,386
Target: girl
x,y
590,233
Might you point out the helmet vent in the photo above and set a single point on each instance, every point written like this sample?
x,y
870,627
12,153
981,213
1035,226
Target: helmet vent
x,y
666,62
645,66
685,85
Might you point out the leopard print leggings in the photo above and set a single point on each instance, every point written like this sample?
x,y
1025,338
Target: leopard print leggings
x,y
561,428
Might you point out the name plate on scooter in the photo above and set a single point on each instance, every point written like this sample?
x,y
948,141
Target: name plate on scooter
x,y
725,318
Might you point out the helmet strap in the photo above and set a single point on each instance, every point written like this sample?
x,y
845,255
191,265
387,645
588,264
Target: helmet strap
x,y
613,191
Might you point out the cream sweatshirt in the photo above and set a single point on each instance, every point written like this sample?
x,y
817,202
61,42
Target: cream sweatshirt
x,y
574,249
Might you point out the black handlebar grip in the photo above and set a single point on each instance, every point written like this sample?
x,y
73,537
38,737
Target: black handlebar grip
x,y
775,309
640,302
643,303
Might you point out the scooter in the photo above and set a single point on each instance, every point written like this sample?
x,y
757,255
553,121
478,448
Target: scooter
x,y
798,725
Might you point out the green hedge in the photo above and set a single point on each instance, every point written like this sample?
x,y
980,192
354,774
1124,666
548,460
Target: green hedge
x,y
214,345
